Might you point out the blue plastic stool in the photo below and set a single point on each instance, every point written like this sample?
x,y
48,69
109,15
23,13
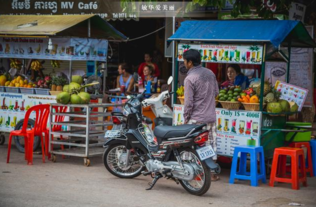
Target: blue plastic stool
x,y
313,146
242,174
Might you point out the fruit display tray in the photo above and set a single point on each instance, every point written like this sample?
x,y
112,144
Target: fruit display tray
x,y
230,105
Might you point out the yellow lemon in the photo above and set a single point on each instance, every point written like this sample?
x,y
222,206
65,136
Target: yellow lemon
x,y
25,81
21,82
7,83
17,85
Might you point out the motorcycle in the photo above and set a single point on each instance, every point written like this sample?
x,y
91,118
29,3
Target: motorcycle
x,y
178,153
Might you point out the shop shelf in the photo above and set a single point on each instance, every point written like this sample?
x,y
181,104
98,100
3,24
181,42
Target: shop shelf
x,y
42,91
2,88
27,90
12,90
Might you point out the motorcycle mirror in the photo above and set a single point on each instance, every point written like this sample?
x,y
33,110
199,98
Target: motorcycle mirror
x,y
170,80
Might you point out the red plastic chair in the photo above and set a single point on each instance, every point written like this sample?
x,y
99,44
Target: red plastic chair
x,y
55,128
42,112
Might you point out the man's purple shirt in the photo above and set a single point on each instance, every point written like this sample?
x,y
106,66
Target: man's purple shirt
x,y
200,90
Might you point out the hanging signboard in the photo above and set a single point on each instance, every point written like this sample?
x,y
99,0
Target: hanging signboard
x,y
292,93
62,48
236,128
14,106
240,54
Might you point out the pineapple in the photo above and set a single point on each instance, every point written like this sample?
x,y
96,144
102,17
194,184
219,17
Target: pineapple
x,y
266,90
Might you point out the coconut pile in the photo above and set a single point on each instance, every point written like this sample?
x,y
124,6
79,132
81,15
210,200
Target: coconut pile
x,y
274,103
74,92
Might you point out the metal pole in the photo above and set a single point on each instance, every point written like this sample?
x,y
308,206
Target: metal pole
x,y
87,130
70,70
288,62
89,28
263,65
173,98
176,71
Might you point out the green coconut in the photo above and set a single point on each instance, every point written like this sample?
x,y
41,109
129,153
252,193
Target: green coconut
x,y
66,88
63,98
74,87
274,107
85,97
285,105
77,79
293,106
75,99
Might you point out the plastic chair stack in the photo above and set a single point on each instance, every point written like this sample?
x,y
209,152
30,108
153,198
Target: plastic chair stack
x,y
242,174
41,113
278,171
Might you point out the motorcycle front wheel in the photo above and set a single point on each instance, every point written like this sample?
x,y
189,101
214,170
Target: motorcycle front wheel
x,y
114,158
202,179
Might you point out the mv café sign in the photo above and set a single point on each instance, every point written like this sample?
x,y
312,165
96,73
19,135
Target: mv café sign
x,y
105,9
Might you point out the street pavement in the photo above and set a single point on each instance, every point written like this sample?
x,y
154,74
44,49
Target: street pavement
x,y
69,183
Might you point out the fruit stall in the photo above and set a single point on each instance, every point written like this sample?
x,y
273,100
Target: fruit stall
x,y
255,115
27,41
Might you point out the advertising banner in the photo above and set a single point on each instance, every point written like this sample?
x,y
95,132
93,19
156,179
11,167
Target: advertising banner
x,y
236,128
233,128
14,106
62,48
242,54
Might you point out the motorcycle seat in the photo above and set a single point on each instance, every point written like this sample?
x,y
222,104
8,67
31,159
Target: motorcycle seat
x,y
165,132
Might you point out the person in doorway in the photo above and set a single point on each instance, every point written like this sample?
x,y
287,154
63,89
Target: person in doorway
x,y
125,78
201,88
235,77
148,74
148,61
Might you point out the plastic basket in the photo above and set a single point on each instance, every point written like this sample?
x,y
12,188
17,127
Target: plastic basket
x,y
2,88
12,90
42,91
27,90
230,105
252,106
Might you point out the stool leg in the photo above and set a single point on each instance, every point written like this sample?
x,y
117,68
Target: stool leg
x,y
309,161
253,169
295,172
303,170
233,169
9,148
274,169
242,164
262,167
43,148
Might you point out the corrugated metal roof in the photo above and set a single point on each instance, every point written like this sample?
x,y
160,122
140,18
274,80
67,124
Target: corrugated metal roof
x,y
59,25
43,24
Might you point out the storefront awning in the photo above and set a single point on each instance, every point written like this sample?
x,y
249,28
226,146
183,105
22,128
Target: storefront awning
x,y
58,25
276,32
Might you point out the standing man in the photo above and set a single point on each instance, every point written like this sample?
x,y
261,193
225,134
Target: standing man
x,y
201,88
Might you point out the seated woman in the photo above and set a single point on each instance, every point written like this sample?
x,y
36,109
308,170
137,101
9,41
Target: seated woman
x,y
148,75
235,77
125,78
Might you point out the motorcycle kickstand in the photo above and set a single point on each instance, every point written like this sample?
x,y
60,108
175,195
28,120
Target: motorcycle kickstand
x,y
152,184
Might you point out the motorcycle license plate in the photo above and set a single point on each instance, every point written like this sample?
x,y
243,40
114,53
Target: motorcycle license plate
x,y
205,152
112,133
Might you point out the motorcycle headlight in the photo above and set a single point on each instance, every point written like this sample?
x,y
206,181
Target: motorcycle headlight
x,y
149,135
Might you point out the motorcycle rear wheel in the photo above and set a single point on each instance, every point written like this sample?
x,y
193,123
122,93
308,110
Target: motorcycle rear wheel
x,y
202,172
111,162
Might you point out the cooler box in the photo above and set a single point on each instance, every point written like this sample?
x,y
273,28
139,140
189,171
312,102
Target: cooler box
x,y
300,136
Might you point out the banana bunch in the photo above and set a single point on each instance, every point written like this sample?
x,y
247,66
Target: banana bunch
x,y
180,91
15,63
36,65
55,63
